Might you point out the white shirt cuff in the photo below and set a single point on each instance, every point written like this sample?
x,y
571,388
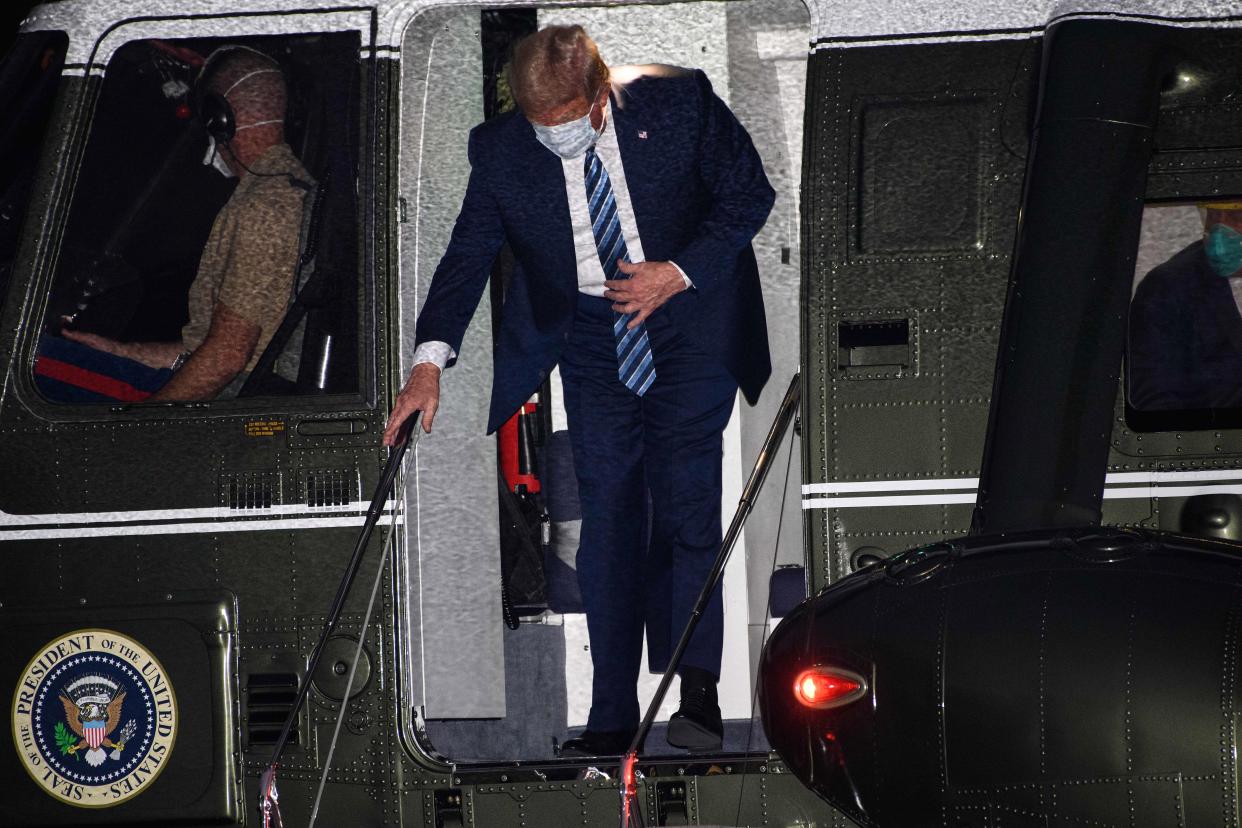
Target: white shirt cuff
x,y
689,284
437,353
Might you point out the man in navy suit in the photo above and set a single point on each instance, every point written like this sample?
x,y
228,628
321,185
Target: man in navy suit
x,y
1185,340
629,205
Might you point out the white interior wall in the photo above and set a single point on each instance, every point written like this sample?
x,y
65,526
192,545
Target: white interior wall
x,y
452,524
767,62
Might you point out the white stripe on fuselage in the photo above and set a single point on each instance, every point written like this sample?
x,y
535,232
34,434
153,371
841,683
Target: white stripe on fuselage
x,y
959,490
210,519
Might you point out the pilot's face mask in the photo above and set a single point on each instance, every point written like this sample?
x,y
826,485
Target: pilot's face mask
x,y
571,139
216,160
1223,246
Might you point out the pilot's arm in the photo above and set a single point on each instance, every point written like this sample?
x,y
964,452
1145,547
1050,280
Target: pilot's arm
x,y
230,343
253,253
152,354
260,250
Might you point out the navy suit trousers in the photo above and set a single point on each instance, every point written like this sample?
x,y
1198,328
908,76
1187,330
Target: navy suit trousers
x,y
649,480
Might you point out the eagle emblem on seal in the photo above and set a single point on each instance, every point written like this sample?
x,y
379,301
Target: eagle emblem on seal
x,y
92,712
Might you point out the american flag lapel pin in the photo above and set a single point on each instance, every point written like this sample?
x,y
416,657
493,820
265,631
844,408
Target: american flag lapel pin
x,y
642,133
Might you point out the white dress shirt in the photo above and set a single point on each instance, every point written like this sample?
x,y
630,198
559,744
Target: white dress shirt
x,y
590,272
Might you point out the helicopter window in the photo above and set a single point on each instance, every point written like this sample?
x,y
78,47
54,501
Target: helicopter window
x,y
29,76
487,691
1184,343
211,248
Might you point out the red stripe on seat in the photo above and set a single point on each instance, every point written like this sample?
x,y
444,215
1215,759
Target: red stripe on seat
x,y
91,381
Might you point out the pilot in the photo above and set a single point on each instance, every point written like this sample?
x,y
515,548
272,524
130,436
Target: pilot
x,y
629,198
247,269
1185,334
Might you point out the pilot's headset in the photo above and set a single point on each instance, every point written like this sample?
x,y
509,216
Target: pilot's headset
x,y
216,114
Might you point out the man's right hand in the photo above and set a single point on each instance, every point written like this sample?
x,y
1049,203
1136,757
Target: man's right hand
x,y
421,393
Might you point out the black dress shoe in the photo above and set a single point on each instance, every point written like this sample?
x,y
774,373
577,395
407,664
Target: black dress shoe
x,y
696,725
598,743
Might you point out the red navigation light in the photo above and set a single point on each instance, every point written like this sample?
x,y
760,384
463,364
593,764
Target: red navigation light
x,y
822,688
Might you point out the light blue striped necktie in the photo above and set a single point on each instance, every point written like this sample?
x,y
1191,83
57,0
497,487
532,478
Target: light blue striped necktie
x,y
635,367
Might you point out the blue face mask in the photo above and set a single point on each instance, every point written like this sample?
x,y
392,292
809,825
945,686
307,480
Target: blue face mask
x,y
1223,246
570,139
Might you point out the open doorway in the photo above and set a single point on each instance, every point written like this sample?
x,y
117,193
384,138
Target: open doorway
x,y
489,693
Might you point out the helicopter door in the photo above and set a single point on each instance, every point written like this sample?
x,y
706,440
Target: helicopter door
x,y
487,692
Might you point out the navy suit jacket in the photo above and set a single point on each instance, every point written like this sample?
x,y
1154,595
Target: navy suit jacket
x,y
699,195
1185,342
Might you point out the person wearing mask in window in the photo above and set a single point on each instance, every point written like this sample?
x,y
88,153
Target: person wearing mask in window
x,y
1185,332
629,198
247,269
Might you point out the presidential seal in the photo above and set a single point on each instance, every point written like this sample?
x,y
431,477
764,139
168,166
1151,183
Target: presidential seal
x,y
94,718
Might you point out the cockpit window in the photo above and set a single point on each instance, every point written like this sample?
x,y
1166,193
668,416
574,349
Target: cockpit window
x,y
1184,348
211,249
29,76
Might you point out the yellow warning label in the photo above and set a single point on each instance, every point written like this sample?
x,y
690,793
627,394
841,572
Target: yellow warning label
x,y
264,428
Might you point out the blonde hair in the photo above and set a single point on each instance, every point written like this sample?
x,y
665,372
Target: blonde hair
x,y
554,66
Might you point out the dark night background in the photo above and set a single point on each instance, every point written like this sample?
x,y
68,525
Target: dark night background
x,y
11,16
